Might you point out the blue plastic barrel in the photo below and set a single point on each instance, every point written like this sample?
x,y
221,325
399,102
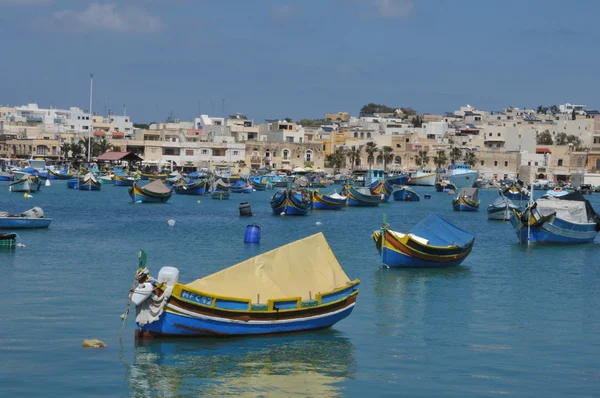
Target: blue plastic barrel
x,y
252,234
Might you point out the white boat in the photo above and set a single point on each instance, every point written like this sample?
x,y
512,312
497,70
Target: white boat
x,y
422,177
462,175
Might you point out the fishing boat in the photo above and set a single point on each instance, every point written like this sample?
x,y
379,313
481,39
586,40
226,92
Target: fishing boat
x,y
406,194
107,179
61,175
501,208
197,187
516,191
557,219
422,178
27,183
220,195
291,202
333,201
362,196
123,180
30,219
241,186
296,287
260,184
586,189
466,200
8,241
280,181
384,189
444,186
462,175
88,183
397,178
6,175
72,183
154,192
433,242
221,185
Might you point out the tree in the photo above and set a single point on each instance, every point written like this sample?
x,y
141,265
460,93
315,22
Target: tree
x,y
408,111
143,126
372,108
422,159
311,122
544,138
288,119
573,115
388,156
561,139
440,159
455,155
353,155
370,149
574,141
470,158
417,121
101,146
554,109
338,158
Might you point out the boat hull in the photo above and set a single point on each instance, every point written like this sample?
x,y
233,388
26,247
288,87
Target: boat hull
x,y
406,195
121,181
24,223
30,185
220,195
462,204
291,204
195,188
465,180
422,179
356,198
139,194
325,202
499,213
553,230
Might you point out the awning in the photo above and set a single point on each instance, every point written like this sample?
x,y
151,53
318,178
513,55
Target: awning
x,y
114,156
543,150
99,133
118,134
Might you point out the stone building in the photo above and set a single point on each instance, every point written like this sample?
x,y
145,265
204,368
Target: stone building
x,y
277,155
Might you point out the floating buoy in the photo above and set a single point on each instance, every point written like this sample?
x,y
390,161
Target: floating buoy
x,y
252,234
93,343
27,196
47,182
21,245
171,223
319,223
198,202
282,213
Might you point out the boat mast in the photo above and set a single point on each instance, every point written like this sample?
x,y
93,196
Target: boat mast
x,y
91,120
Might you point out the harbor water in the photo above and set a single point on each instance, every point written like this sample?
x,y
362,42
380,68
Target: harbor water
x,y
512,320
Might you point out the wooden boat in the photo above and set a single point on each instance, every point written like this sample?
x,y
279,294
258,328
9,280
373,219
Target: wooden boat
x,y
241,186
586,189
466,200
154,192
30,219
220,195
358,196
27,183
88,183
501,208
153,176
557,219
197,187
8,241
433,242
333,201
261,184
291,202
516,192
444,186
405,194
62,175
221,185
123,180
106,179
383,188
296,287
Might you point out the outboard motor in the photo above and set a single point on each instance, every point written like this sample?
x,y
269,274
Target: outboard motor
x,y
245,209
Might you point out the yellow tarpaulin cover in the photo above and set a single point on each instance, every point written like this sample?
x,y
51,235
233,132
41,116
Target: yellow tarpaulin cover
x,y
293,270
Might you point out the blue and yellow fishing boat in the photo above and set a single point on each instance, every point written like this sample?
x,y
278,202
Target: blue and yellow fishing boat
x,y
88,183
294,288
433,242
291,202
61,175
405,194
557,219
516,191
221,185
241,186
154,192
220,195
27,183
383,188
123,180
260,184
333,201
358,196
197,187
466,200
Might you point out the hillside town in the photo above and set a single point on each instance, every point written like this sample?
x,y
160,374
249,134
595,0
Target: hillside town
x,y
552,143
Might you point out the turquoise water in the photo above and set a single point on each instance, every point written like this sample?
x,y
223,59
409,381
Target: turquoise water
x,y
511,320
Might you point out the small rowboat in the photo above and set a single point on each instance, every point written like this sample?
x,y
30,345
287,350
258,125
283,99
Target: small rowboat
x,y
291,202
466,200
405,194
31,219
88,183
192,188
362,197
333,201
220,195
154,192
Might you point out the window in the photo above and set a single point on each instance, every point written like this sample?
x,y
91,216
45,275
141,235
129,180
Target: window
x,y
536,163
490,134
528,163
308,156
85,127
368,135
171,151
236,153
189,152
205,152
42,150
483,162
355,135
289,139
506,163
398,146
495,163
560,162
286,154
499,134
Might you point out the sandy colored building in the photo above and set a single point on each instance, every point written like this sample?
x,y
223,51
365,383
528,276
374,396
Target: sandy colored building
x,y
277,155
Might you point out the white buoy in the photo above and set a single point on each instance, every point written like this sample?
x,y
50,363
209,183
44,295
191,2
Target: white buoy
x,y
282,213
319,223
9,188
171,223
47,182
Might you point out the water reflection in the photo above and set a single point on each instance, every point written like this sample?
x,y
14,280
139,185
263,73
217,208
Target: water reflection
x,y
310,364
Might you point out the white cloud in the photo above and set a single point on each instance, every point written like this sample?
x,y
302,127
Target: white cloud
x,y
107,17
393,8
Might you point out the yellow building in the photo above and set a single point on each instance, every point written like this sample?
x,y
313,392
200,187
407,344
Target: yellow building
x,y
337,117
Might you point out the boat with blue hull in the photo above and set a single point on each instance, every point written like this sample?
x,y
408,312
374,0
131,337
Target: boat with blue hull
x,y
501,208
60,175
362,196
516,192
197,187
462,175
398,179
291,202
557,219
154,192
261,184
241,186
405,194
433,242
284,290
30,219
444,186
466,200
333,201
88,183
384,189
123,180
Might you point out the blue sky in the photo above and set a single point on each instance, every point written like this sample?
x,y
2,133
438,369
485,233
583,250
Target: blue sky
x,y
276,59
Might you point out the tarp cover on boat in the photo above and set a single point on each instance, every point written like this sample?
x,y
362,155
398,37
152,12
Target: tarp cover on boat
x,y
470,193
157,186
572,207
502,202
440,232
35,212
294,270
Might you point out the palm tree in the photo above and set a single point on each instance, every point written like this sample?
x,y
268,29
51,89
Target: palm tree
x,y
83,144
370,149
455,154
101,146
337,159
470,158
440,159
353,155
387,154
422,159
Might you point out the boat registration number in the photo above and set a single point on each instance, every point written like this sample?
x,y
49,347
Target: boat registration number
x,y
196,298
